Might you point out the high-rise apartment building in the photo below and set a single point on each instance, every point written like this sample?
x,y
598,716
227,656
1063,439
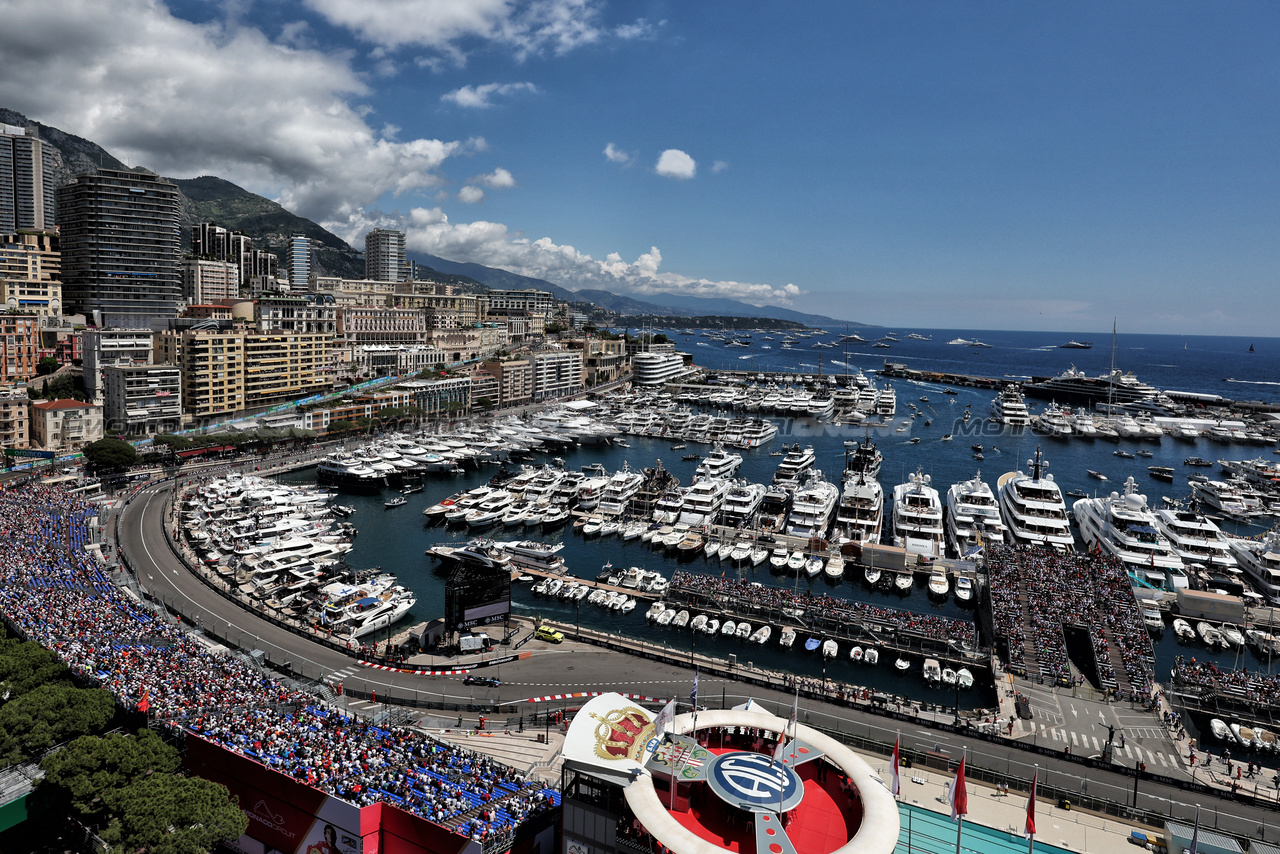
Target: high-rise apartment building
x,y
212,242
120,246
19,343
300,272
205,280
103,347
384,256
30,265
27,182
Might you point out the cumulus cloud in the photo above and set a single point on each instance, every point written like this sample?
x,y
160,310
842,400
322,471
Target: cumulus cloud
x,y
478,97
498,179
470,195
527,27
491,243
674,163
616,155
188,99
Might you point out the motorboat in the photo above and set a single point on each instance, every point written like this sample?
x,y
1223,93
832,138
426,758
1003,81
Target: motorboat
x,y
812,644
938,584
681,619
796,562
743,631
699,623
871,656
932,671
964,677
1183,629
779,557
712,627
902,581
855,653
916,517
949,677
1153,619
972,517
665,618
761,635
1231,634
728,627
398,501
786,638
834,568
1210,634
1220,730
872,575
655,611
902,665
964,589
830,649
813,567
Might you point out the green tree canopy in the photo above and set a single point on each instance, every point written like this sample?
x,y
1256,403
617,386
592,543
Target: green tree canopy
x,y
86,777
110,453
48,715
166,814
25,665
46,366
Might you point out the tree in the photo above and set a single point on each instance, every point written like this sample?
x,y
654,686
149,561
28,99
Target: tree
x,y
46,366
166,814
25,665
49,714
84,778
110,453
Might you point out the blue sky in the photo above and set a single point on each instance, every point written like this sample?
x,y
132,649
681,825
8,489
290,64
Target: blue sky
x,y
970,165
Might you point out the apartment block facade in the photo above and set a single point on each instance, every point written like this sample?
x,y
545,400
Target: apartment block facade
x,y
142,400
556,373
27,180
384,255
361,325
204,281
31,273
19,347
102,347
15,418
515,380
65,425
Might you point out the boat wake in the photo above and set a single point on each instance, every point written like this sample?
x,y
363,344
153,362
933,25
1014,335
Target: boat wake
x,y
1250,382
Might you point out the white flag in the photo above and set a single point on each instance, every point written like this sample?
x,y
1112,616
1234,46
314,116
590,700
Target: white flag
x,y
664,719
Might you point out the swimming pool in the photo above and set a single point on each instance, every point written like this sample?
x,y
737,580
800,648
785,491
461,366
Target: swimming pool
x,y
927,832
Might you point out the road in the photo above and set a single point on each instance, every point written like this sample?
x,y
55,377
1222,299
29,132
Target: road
x,y
570,667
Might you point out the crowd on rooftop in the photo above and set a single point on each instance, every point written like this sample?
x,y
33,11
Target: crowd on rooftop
x,y
1035,593
53,591
1257,688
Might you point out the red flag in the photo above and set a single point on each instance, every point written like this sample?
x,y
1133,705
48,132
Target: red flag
x,y
895,786
1031,807
958,796
145,702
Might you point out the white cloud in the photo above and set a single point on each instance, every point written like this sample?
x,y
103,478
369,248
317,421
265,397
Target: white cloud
x,y
498,179
491,243
470,195
674,163
479,96
189,99
615,155
527,27
719,166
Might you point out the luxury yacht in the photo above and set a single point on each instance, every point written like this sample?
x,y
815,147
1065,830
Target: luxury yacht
x,y
619,490
1009,407
972,517
741,504
1260,560
702,501
865,458
861,511
1196,539
916,521
1032,506
347,472
774,507
719,463
1122,526
812,507
886,402
794,464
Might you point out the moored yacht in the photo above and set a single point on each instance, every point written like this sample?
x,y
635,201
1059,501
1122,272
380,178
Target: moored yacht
x,y
703,500
1196,539
812,507
1122,526
1032,506
916,516
1260,560
860,513
1009,408
741,504
972,517
619,490
719,463
794,464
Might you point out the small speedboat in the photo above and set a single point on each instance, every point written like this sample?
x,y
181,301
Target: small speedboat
x,y
761,635
787,638
812,644
902,665
938,585
681,620
932,671
795,563
856,653
964,589
398,501
743,631
964,677
872,575
699,623
712,626
667,615
1231,634
1220,730
1183,629
655,611
1097,475
903,581
871,656
830,649
949,676
728,627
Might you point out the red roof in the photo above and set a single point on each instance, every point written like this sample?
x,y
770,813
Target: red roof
x,y
63,404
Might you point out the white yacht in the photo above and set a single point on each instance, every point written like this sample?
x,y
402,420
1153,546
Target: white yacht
x,y
758,432
619,490
795,464
1032,506
812,507
886,402
1222,497
590,491
346,471
1122,526
1054,421
702,501
1196,539
861,511
1260,560
972,517
718,463
1082,424
916,517
741,504
1009,408
667,508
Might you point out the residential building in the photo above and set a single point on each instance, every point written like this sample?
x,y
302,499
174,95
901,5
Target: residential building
x,y
120,243
464,345
15,417
522,299
204,281
366,292
441,397
385,361
27,180
521,325
221,311
65,425
284,366
30,273
212,364
603,360
449,310
301,250
280,313
486,393
104,347
642,344
19,347
556,373
142,400
384,256
365,325
212,242
654,369
515,380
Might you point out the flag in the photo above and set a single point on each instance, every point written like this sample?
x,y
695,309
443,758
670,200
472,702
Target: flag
x,y
693,695
781,748
1031,808
795,706
958,796
895,784
145,702
1194,847
664,718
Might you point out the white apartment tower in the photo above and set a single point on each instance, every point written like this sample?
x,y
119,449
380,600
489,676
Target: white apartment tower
x,y
384,259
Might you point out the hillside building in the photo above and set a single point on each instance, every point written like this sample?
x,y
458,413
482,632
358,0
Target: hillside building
x,y
27,181
142,400
103,347
30,273
301,275
384,256
204,281
19,347
65,425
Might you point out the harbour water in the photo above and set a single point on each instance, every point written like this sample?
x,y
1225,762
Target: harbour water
x,y
396,540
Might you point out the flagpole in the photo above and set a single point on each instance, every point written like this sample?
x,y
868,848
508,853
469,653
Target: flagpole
x,y
1031,837
960,815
